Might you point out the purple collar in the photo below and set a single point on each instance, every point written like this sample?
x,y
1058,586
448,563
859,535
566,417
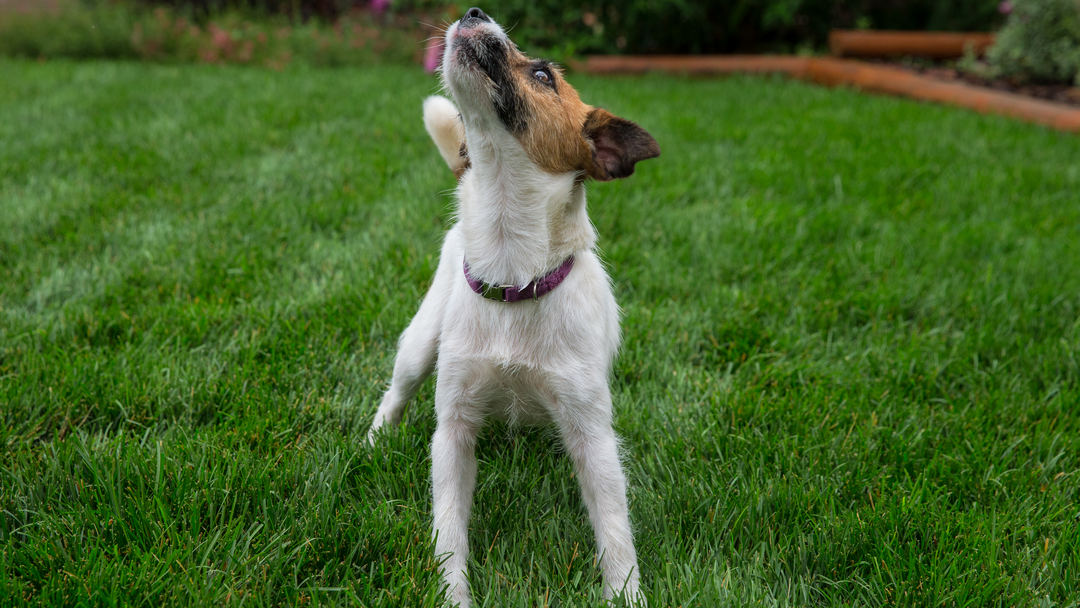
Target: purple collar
x,y
510,293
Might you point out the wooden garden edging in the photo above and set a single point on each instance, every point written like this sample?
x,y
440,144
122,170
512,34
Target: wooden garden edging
x,y
886,43
859,74
691,64
897,81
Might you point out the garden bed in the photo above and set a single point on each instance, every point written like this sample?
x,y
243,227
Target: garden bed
x,y
928,54
1058,93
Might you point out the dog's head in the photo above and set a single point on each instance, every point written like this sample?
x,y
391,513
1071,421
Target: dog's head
x,y
499,89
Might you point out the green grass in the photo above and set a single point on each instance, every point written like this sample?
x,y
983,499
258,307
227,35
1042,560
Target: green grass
x,y
849,374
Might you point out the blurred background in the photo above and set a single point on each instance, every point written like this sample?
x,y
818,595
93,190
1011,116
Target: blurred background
x,y
1039,41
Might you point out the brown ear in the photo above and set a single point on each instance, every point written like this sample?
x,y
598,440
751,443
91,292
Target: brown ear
x,y
616,145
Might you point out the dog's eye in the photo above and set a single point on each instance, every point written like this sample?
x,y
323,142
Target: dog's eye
x,y
542,76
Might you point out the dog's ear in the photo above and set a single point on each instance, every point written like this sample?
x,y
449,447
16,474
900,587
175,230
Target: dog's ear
x,y
616,145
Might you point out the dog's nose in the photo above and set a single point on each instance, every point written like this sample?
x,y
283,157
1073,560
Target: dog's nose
x,y
475,13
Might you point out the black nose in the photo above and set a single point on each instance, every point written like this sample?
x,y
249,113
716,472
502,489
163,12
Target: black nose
x,y
475,13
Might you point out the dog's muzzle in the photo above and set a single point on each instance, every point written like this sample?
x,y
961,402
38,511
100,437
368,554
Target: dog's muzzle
x,y
474,16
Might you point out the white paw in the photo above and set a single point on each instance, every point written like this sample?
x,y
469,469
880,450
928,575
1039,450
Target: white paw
x,y
630,595
372,433
459,597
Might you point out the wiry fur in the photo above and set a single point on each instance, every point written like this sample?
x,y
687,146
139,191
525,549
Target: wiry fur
x,y
547,360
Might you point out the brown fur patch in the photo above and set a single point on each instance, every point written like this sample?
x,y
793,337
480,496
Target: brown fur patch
x,y
463,152
553,136
560,127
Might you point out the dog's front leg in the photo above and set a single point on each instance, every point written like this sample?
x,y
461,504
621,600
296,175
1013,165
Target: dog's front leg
x,y
453,479
590,441
414,362
418,345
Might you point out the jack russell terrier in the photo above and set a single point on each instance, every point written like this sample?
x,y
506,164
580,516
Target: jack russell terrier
x,y
520,319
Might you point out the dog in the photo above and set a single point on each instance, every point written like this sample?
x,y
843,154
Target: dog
x,y
520,319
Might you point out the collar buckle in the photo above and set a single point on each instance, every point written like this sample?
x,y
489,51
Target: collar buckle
x,y
494,292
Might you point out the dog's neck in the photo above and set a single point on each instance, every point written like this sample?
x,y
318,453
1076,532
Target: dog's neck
x,y
519,221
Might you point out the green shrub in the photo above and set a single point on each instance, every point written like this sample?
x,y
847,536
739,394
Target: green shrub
x,y
565,27
329,32
1040,42
296,10
125,31
231,38
72,30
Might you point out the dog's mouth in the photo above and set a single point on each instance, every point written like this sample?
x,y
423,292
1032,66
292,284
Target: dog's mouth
x,y
475,44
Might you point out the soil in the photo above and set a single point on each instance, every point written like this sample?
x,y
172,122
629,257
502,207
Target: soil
x,y
1059,93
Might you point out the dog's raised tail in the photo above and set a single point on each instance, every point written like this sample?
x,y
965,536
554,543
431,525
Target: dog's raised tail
x,y
443,123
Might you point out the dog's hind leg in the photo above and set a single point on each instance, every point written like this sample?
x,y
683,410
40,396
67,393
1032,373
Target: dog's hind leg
x,y
593,448
453,475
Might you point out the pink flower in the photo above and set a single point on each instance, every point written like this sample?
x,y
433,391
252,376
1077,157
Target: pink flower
x,y
219,37
379,6
1005,7
433,54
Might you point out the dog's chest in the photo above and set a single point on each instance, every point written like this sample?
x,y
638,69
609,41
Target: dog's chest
x,y
513,337
516,359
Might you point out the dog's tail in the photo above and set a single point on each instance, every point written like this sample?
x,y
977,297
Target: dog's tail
x,y
443,123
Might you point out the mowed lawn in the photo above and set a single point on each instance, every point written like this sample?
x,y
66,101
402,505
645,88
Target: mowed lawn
x,y
850,372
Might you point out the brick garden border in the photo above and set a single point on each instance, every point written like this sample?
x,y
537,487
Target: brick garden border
x,y
862,75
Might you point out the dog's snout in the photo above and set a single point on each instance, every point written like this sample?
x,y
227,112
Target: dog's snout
x,y
474,14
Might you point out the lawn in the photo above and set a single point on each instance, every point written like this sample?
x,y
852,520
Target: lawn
x,y
850,373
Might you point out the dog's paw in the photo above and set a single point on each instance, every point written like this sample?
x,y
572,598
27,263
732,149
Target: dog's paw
x,y
443,124
630,595
458,597
637,599
374,432
373,436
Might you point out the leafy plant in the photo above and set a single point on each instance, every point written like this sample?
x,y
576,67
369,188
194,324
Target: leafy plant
x,y
1040,42
560,28
108,30
74,30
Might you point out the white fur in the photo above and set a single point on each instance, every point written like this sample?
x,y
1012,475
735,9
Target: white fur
x,y
444,126
535,361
